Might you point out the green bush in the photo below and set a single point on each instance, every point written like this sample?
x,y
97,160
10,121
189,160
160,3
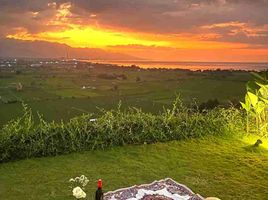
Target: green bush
x,y
23,138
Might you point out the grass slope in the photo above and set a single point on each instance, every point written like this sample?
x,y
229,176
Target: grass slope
x,y
212,166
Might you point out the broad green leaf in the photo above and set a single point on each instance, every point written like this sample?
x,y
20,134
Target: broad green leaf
x,y
253,99
261,85
261,77
260,107
252,86
246,107
247,100
257,76
264,100
263,91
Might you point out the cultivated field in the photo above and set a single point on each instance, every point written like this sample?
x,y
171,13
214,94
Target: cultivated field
x,y
63,90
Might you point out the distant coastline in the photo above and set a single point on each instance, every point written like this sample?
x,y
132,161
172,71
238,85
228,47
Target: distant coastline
x,y
147,64
257,66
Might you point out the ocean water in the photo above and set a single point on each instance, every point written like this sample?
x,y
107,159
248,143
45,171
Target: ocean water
x,y
193,65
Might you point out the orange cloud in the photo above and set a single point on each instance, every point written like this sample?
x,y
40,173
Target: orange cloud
x,y
88,30
239,27
172,54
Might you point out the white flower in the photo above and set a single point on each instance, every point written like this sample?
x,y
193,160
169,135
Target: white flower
x,y
71,180
82,178
79,193
85,182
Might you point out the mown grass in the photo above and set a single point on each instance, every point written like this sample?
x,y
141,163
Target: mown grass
x,y
226,167
23,138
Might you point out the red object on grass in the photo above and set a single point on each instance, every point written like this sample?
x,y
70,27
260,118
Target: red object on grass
x,y
99,183
99,193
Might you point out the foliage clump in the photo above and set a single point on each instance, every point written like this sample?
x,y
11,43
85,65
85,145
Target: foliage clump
x,y
25,138
256,104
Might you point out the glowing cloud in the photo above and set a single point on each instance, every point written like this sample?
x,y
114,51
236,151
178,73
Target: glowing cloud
x,y
88,37
168,29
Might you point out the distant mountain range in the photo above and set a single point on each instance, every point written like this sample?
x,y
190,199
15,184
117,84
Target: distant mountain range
x,y
41,49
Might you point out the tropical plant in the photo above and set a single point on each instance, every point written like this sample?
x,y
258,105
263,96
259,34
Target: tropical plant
x,y
256,102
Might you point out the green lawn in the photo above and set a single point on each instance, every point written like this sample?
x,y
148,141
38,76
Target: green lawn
x,y
224,167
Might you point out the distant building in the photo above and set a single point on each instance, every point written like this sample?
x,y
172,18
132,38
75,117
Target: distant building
x,y
36,65
19,86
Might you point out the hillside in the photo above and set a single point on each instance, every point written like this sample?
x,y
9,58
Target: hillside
x,y
41,49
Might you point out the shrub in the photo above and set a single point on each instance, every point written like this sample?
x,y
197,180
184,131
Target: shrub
x,y
210,104
22,138
112,76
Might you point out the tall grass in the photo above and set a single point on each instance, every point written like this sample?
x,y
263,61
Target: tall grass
x,y
25,138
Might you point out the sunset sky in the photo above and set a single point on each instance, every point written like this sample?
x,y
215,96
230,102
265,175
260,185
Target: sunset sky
x,y
175,30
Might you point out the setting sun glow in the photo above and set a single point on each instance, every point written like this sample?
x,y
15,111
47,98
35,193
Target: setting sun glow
x,y
89,37
158,32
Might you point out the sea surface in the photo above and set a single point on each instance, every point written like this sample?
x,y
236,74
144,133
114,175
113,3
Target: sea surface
x,y
191,65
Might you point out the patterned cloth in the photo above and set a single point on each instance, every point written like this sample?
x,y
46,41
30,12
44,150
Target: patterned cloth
x,y
166,189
